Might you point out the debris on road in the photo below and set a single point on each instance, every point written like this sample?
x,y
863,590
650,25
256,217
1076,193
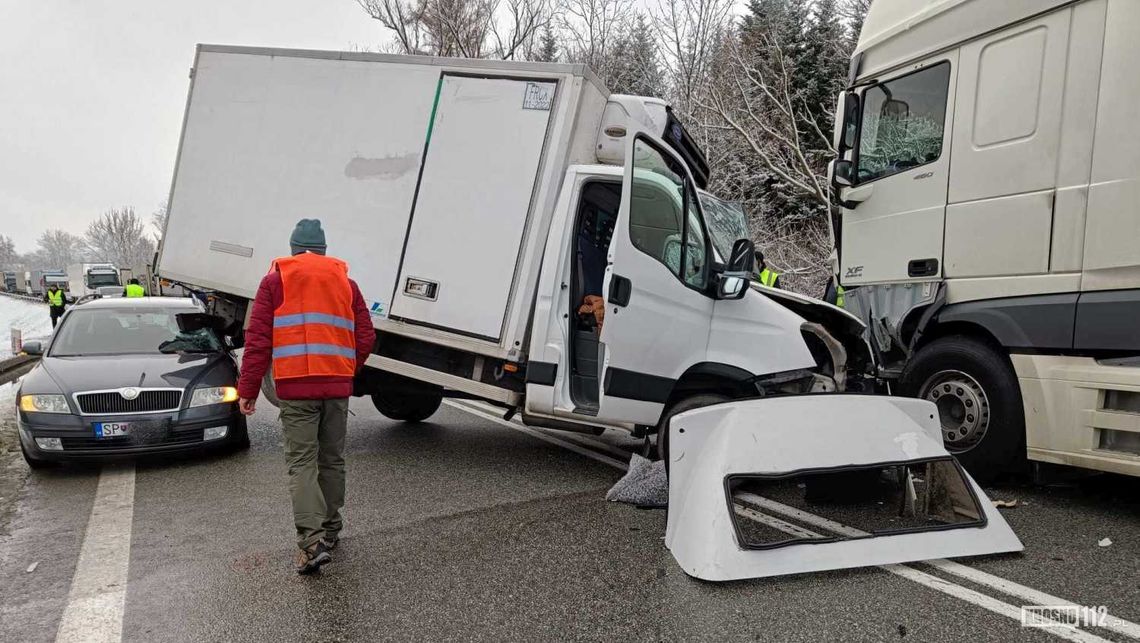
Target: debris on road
x,y
1005,504
31,568
1105,542
645,484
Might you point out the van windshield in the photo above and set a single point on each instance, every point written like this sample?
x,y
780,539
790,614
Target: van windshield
x,y
726,223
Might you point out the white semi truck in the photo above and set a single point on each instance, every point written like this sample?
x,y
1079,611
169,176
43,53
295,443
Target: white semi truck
x,y
520,235
989,228
86,279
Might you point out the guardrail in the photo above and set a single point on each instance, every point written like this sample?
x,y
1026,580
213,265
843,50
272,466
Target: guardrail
x,y
16,295
12,368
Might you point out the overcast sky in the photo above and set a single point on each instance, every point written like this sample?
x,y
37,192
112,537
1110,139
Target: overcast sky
x,y
92,94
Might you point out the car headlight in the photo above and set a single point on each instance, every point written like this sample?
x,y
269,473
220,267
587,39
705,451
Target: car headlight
x,y
213,395
44,404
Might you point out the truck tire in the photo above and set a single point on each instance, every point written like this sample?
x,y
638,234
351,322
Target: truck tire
x,y
269,390
979,402
682,405
399,403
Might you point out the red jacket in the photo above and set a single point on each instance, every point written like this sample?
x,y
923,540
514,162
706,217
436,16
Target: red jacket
x,y
258,354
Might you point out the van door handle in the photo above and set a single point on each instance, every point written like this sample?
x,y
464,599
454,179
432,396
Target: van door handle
x,y
620,290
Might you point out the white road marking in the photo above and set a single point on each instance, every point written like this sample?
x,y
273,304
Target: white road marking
x,y
94,611
1028,594
904,571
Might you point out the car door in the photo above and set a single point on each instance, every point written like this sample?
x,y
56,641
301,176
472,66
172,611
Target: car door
x,y
658,304
895,213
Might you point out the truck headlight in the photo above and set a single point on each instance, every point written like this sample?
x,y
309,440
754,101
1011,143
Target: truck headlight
x,y
44,404
213,395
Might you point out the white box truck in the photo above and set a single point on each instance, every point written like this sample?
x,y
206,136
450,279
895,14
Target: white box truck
x,y
86,279
480,204
989,184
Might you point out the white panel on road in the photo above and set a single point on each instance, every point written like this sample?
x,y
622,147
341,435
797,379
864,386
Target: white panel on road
x,y
474,198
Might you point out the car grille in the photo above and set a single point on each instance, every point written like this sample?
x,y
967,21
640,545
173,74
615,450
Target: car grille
x,y
81,443
109,403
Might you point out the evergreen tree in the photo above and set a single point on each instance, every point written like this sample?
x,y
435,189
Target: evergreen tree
x,y
547,46
824,63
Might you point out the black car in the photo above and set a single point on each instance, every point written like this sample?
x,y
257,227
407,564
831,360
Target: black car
x,y
128,376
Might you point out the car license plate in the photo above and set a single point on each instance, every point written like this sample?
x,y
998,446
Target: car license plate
x,y
111,429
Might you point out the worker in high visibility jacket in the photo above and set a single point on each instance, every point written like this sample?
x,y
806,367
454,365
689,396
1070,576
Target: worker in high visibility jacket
x,y
133,289
310,325
57,303
764,274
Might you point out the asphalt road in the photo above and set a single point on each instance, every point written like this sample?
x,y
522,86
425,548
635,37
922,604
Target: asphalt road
x,y
468,528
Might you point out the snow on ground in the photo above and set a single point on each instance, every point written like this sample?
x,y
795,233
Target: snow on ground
x,y
30,317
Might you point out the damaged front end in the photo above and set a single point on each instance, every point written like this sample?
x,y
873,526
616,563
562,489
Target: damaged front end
x,y
801,484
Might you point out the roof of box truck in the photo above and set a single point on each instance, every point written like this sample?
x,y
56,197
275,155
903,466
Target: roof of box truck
x,y
459,63
898,32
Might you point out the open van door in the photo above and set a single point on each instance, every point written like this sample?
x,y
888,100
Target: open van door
x,y
658,304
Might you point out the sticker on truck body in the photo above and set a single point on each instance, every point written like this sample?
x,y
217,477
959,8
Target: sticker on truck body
x,y
538,96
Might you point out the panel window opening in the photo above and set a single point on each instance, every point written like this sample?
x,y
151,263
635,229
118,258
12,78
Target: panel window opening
x,y
851,503
594,228
903,123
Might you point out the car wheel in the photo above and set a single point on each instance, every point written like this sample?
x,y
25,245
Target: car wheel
x,y
978,399
239,441
685,404
34,462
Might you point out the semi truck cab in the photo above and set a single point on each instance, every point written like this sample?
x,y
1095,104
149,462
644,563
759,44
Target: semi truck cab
x,y
987,191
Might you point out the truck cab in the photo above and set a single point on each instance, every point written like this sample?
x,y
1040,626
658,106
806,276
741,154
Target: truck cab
x,y
987,187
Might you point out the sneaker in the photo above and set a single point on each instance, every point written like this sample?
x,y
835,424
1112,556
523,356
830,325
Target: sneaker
x,y
330,543
310,560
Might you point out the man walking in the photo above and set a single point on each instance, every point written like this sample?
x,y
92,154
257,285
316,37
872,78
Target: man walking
x,y
310,322
56,301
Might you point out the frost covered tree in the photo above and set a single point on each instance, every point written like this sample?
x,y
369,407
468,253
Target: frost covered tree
x,y
548,51
9,258
119,236
504,29
57,249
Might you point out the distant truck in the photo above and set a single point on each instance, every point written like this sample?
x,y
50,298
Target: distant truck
x,y
41,280
9,281
23,285
476,202
94,279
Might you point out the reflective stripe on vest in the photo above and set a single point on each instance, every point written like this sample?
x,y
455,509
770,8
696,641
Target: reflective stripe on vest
x,y
313,327
769,277
135,290
55,298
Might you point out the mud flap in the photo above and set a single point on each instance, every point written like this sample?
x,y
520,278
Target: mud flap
x,y
802,484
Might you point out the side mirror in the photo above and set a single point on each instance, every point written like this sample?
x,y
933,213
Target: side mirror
x,y
842,173
733,282
33,348
848,124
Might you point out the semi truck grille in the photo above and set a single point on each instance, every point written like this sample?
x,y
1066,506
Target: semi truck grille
x,y
111,402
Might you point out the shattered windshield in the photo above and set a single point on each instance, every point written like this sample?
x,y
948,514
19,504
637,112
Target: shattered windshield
x,y
726,223
124,331
861,502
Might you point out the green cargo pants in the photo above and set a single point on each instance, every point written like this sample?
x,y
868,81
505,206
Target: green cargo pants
x,y
314,446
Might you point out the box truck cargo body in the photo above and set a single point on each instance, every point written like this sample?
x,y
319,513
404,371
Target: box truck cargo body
x,y
989,192
480,206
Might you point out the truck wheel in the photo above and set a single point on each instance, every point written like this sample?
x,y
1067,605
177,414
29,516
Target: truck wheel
x,y
398,403
978,399
685,404
269,390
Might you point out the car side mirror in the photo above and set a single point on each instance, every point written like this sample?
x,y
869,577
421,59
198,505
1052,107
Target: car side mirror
x,y
32,348
733,282
842,173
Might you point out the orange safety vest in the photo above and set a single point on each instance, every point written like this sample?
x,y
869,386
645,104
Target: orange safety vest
x,y
313,328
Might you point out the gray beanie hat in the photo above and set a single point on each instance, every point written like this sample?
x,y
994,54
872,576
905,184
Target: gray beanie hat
x,y
308,235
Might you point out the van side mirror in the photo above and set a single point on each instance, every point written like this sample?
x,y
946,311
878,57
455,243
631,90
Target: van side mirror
x,y
732,283
32,348
842,173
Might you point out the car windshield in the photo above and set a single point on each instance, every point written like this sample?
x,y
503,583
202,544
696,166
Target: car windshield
x,y
726,222
127,331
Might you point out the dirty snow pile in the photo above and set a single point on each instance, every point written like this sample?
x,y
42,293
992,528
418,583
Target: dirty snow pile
x,y
30,317
646,484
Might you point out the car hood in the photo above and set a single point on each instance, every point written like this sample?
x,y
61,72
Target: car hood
x,y
814,310
92,373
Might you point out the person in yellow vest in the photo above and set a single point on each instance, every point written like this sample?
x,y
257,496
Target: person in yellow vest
x,y
764,274
133,289
56,301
